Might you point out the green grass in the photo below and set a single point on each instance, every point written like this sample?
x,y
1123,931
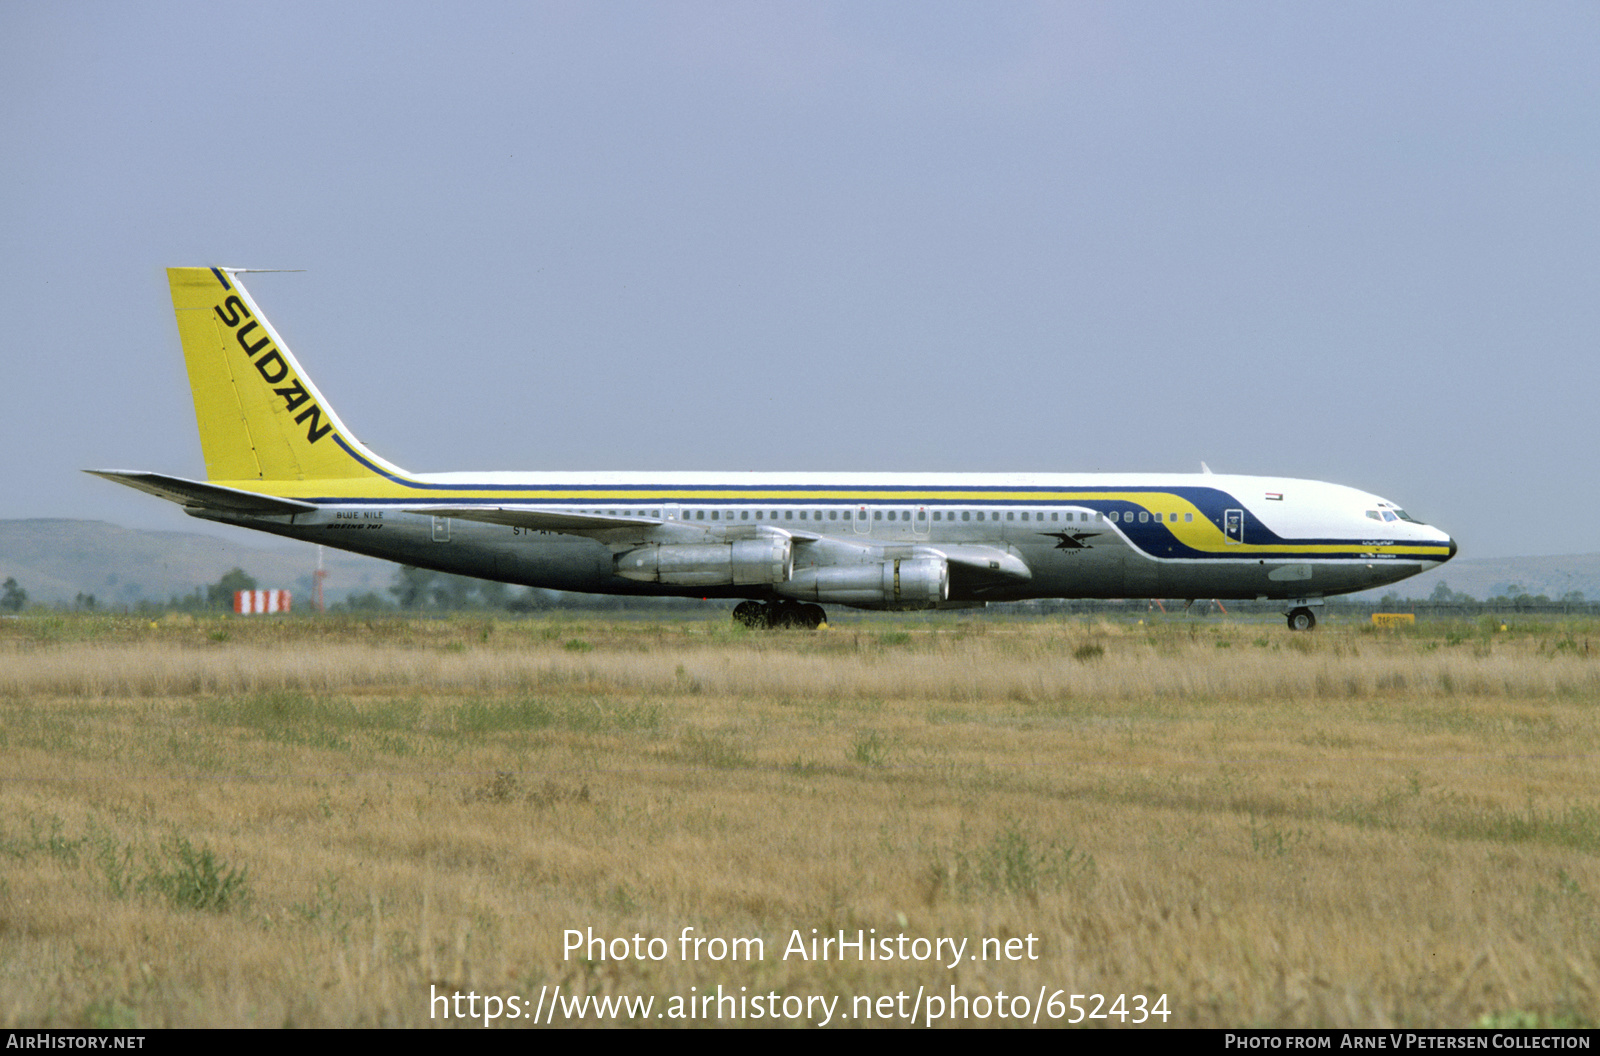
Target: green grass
x,y
1018,862
870,748
193,877
699,748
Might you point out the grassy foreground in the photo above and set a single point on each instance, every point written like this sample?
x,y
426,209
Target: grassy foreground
x,y
318,822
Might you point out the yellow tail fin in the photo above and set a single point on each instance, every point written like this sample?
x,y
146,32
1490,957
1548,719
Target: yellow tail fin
x,y
260,417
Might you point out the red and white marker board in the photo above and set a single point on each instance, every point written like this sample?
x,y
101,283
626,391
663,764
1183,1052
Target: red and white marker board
x,y
250,602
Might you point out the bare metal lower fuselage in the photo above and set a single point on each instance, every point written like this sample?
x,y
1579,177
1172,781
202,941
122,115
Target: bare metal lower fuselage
x,y
1107,566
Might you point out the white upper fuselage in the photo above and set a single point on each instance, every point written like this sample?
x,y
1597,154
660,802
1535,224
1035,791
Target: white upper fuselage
x,y
1290,508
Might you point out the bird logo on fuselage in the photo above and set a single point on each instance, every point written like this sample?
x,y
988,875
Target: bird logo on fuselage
x,y
1071,540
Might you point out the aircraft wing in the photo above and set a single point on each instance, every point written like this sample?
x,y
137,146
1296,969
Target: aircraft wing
x,y
582,523
999,562
207,496
544,520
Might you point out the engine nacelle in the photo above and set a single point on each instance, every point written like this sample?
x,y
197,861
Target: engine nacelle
x,y
765,561
898,583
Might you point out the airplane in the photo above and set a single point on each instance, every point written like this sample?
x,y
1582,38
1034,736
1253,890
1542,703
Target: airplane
x,y
280,460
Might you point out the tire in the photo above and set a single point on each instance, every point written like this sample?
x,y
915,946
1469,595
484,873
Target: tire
x,y
1302,619
789,618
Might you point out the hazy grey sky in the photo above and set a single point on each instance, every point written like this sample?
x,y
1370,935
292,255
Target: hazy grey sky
x,y
1356,242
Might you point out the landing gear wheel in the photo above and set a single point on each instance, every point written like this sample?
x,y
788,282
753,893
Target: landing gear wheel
x,y
1302,619
788,616
784,615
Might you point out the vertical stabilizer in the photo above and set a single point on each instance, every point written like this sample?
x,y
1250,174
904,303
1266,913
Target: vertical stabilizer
x,y
260,417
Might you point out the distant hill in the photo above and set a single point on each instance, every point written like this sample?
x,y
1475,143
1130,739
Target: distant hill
x,y
56,560
1486,577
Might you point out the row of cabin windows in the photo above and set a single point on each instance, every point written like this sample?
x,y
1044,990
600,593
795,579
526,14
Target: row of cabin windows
x,y
901,515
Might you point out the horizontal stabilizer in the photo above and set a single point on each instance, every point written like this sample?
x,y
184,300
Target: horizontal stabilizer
x,y
196,493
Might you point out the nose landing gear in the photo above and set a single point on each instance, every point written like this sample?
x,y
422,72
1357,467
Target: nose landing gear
x,y
1301,619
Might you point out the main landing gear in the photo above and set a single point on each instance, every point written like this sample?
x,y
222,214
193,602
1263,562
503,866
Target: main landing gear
x,y
784,615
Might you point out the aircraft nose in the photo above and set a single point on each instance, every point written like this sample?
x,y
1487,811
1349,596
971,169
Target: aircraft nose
x,y
1452,548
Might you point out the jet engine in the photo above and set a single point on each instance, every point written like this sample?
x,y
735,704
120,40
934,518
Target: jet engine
x,y
896,583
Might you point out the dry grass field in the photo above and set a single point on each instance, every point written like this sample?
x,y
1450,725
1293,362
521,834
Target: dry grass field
x,y
324,822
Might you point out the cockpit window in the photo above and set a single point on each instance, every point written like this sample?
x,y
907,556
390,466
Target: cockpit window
x,y
1392,513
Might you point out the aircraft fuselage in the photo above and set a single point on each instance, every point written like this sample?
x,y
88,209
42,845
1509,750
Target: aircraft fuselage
x,y
280,460
1182,536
